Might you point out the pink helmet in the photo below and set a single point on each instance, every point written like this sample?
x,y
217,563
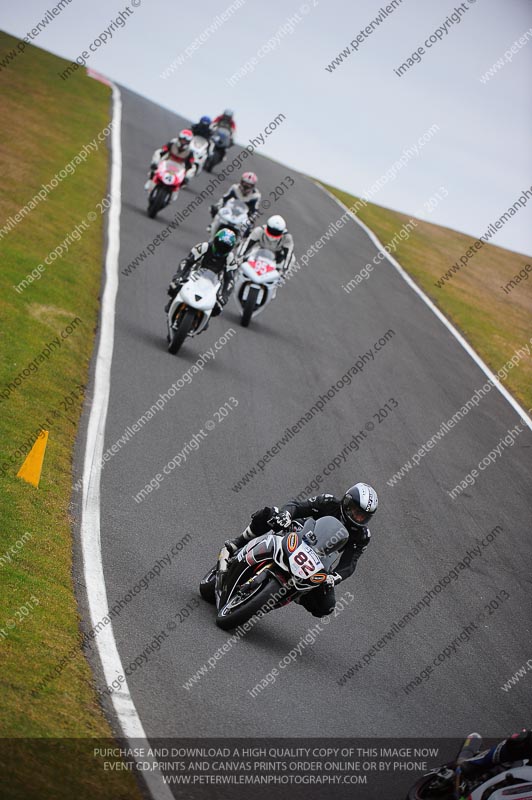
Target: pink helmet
x,y
247,182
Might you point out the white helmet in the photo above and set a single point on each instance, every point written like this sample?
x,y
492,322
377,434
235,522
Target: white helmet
x,y
359,504
275,227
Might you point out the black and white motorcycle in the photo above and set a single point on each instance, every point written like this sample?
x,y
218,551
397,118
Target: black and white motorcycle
x,y
273,570
191,308
256,284
451,782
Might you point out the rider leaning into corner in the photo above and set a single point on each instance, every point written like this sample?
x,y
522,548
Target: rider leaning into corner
x,y
217,256
354,510
246,191
517,747
490,771
272,236
178,150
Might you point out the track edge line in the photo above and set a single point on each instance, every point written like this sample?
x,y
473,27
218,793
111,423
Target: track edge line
x,y
435,310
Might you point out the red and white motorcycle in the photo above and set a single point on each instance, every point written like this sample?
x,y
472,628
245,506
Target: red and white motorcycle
x,y
167,181
256,284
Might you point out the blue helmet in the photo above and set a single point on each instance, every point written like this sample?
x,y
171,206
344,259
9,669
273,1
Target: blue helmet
x,y
205,120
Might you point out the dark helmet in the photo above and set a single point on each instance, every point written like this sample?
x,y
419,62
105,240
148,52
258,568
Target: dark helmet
x,y
205,120
359,504
223,242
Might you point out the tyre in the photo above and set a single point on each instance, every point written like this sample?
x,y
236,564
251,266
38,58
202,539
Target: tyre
x,y
179,336
425,789
249,306
228,618
158,199
213,160
207,586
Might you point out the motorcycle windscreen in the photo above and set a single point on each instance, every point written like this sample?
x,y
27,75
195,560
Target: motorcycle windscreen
x,y
266,255
327,537
208,274
234,210
221,137
174,167
240,209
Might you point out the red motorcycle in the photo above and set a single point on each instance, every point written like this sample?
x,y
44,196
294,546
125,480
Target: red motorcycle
x,y
168,179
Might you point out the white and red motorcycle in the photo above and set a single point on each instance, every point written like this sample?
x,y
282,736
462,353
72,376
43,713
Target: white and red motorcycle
x,y
256,284
191,308
167,181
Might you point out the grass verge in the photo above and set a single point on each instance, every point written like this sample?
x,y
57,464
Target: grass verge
x,y
50,122
494,321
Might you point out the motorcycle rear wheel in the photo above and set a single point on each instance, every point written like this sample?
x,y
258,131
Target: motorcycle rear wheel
x,y
208,585
213,160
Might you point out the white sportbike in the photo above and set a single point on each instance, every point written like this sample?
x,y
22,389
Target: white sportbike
x,y
256,284
234,216
200,149
191,308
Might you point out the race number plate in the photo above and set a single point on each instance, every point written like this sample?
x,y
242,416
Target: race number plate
x,y
304,562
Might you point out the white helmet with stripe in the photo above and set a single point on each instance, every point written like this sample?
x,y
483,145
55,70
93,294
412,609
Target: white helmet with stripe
x,y
359,504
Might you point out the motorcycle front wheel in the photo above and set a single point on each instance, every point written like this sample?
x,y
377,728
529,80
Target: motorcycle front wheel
x,y
177,337
237,610
159,198
431,788
249,306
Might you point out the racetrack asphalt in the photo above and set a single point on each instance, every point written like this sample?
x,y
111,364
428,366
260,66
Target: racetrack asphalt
x,y
302,344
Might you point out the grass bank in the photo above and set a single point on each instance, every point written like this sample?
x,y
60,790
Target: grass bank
x,y
49,283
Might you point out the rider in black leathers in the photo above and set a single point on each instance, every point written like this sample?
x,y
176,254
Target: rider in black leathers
x,y
354,509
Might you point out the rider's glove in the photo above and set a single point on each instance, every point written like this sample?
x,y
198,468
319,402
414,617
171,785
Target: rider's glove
x,y
214,210
231,547
281,520
332,580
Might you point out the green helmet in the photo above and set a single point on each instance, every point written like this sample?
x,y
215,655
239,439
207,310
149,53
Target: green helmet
x,y
223,242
